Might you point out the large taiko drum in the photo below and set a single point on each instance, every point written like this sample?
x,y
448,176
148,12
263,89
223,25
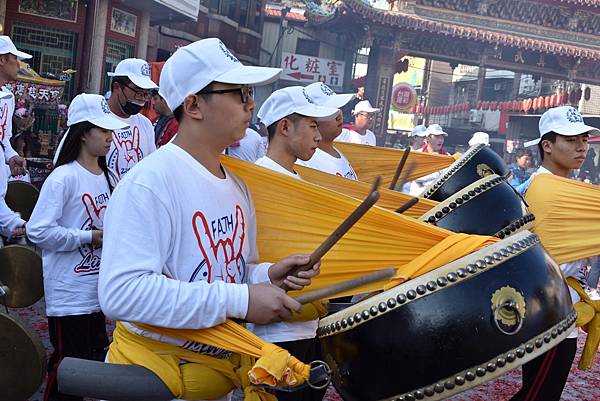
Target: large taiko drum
x,y
489,206
477,162
451,329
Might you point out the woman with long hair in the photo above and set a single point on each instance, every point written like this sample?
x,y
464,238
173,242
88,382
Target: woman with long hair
x,y
67,225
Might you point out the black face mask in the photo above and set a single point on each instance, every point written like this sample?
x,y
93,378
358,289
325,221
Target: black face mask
x,y
131,108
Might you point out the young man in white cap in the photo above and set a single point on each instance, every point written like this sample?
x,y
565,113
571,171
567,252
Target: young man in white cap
x,y
359,132
10,222
292,119
180,249
479,137
327,158
130,90
417,138
563,145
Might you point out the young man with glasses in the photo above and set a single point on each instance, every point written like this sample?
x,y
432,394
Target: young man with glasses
x,y
130,88
359,132
180,248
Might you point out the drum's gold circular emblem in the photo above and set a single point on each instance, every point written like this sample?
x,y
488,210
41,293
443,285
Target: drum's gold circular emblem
x,y
508,306
483,170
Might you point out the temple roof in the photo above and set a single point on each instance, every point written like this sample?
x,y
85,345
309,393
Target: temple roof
x,y
395,19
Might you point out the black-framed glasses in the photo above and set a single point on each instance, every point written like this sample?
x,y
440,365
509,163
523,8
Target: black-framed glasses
x,y
139,94
246,92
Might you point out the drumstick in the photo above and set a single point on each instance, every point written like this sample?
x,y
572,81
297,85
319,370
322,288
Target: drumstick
x,y
347,285
342,229
410,203
399,168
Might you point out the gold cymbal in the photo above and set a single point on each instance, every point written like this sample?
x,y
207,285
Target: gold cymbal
x,y
21,272
21,197
22,357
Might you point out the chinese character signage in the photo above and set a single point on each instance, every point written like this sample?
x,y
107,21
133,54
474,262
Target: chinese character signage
x,y
301,68
38,93
404,97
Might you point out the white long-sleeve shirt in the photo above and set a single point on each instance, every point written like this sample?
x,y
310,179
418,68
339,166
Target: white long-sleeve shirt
x,y
323,161
9,220
71,203
250,148
130,145
7,109
348,135
179,247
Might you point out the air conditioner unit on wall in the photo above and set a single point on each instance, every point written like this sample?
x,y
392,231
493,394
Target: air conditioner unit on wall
x,y
475,116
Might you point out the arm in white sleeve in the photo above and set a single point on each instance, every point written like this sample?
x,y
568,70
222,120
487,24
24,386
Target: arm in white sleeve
x,y
9,220
43,228
9,152
138,235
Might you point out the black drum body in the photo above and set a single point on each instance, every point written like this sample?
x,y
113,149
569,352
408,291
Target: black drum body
x,y
477,162
451,329
489,206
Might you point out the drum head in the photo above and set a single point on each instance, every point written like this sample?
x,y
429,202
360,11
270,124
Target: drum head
x,y
21,272
22,357
21,197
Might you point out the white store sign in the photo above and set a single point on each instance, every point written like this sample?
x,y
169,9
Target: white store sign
x,y
301,68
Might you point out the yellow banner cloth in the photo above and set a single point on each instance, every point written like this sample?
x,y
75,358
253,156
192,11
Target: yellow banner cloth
x,y
371,161
388,199
588,318
295,216
205,377
567,216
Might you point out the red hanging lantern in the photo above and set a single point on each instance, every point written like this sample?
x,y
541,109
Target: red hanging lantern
x,y
528,104
587,94
564,98
547,102
541,102
479,104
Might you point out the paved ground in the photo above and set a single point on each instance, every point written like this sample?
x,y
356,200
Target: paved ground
x,y
581,386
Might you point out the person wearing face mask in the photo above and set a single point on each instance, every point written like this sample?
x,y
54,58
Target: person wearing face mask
x,y
130,88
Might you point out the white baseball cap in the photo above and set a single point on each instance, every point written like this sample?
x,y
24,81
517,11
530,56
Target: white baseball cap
x,y
323,95
91,108
191,68
7,46
435,129
419,130
290,100
364,106
479,137
137,70
563,120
